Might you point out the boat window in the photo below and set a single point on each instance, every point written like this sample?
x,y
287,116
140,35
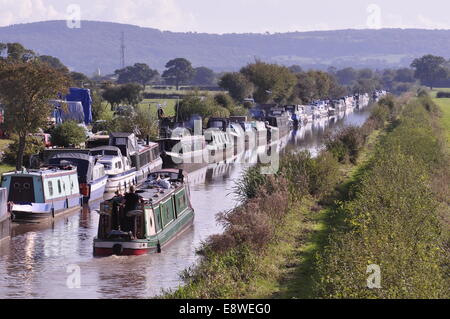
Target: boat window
x,y
59,187
50,188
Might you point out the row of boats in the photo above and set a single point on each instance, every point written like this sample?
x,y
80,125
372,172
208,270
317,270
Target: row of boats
x,y
60,180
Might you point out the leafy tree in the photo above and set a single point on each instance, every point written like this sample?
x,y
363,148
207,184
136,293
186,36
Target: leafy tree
x,y
25,88
272,82
53,62
79,79
237,85
429,69
178,71
138,73
15,52
68,134
112,95
405,75
346,76
295,68
203,76
224,100
33,146
204,107
129,93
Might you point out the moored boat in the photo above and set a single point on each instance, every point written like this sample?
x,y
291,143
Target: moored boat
x,y
144,156
162,214
182,147
91,174
118,168
42,194
5,218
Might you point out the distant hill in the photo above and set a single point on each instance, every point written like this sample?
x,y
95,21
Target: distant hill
x,y
97,45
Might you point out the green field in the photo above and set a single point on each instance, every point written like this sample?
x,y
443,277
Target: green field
x,y
168,106
444,105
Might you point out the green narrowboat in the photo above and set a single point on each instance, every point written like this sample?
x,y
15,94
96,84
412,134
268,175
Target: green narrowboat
x,y
163,212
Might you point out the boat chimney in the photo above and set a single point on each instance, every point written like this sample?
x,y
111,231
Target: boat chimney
x,y
148,139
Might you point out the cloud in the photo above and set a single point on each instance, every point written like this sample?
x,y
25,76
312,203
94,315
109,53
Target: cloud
x,y
161,14
16,11
428,23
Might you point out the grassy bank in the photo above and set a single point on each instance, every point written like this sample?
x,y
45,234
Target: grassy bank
x,y
311,230
395,217
273,236
444,105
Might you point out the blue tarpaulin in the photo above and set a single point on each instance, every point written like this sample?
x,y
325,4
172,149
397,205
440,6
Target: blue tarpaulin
x,y
83,96
70,111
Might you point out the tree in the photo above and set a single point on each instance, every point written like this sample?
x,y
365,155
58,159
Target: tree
x,y
79,79
25,88
346,76
15,52
129,93
178,71
53,62
138,73
203,76
272,82
68,134
430,69
237,85
197,105
113,96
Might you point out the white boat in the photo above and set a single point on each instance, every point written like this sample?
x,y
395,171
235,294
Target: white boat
x,y
121,175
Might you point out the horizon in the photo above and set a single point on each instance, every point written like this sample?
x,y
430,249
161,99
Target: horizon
x,y
230,33
242,17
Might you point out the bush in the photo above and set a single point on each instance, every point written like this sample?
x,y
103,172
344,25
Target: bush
x,y
34,145
346,144
442,95
68,134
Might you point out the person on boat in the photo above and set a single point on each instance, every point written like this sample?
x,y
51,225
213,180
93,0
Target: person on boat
x,y
160,112
161,182
131,202
116,201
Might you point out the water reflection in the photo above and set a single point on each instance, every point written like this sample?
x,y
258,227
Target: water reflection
x,y
33,263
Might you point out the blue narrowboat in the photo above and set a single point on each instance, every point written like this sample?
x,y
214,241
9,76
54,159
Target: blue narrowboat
x,y
42,194
91,174
5,220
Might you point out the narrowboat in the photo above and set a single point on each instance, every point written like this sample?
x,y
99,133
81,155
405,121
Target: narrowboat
x,y
260,131
182,147
5,218
235,131
144,155
42,194
118,168
248,131
91,174
219,145
163,213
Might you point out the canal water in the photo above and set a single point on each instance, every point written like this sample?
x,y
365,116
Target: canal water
x,y
56,261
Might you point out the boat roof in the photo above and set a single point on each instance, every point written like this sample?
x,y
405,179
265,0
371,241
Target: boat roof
x,y
46,170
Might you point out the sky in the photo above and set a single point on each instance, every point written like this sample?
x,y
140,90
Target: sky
x,y
236,16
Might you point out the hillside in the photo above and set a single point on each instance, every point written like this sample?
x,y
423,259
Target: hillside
x,y
97,45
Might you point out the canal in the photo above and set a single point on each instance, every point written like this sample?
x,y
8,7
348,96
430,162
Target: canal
x,y
42,261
